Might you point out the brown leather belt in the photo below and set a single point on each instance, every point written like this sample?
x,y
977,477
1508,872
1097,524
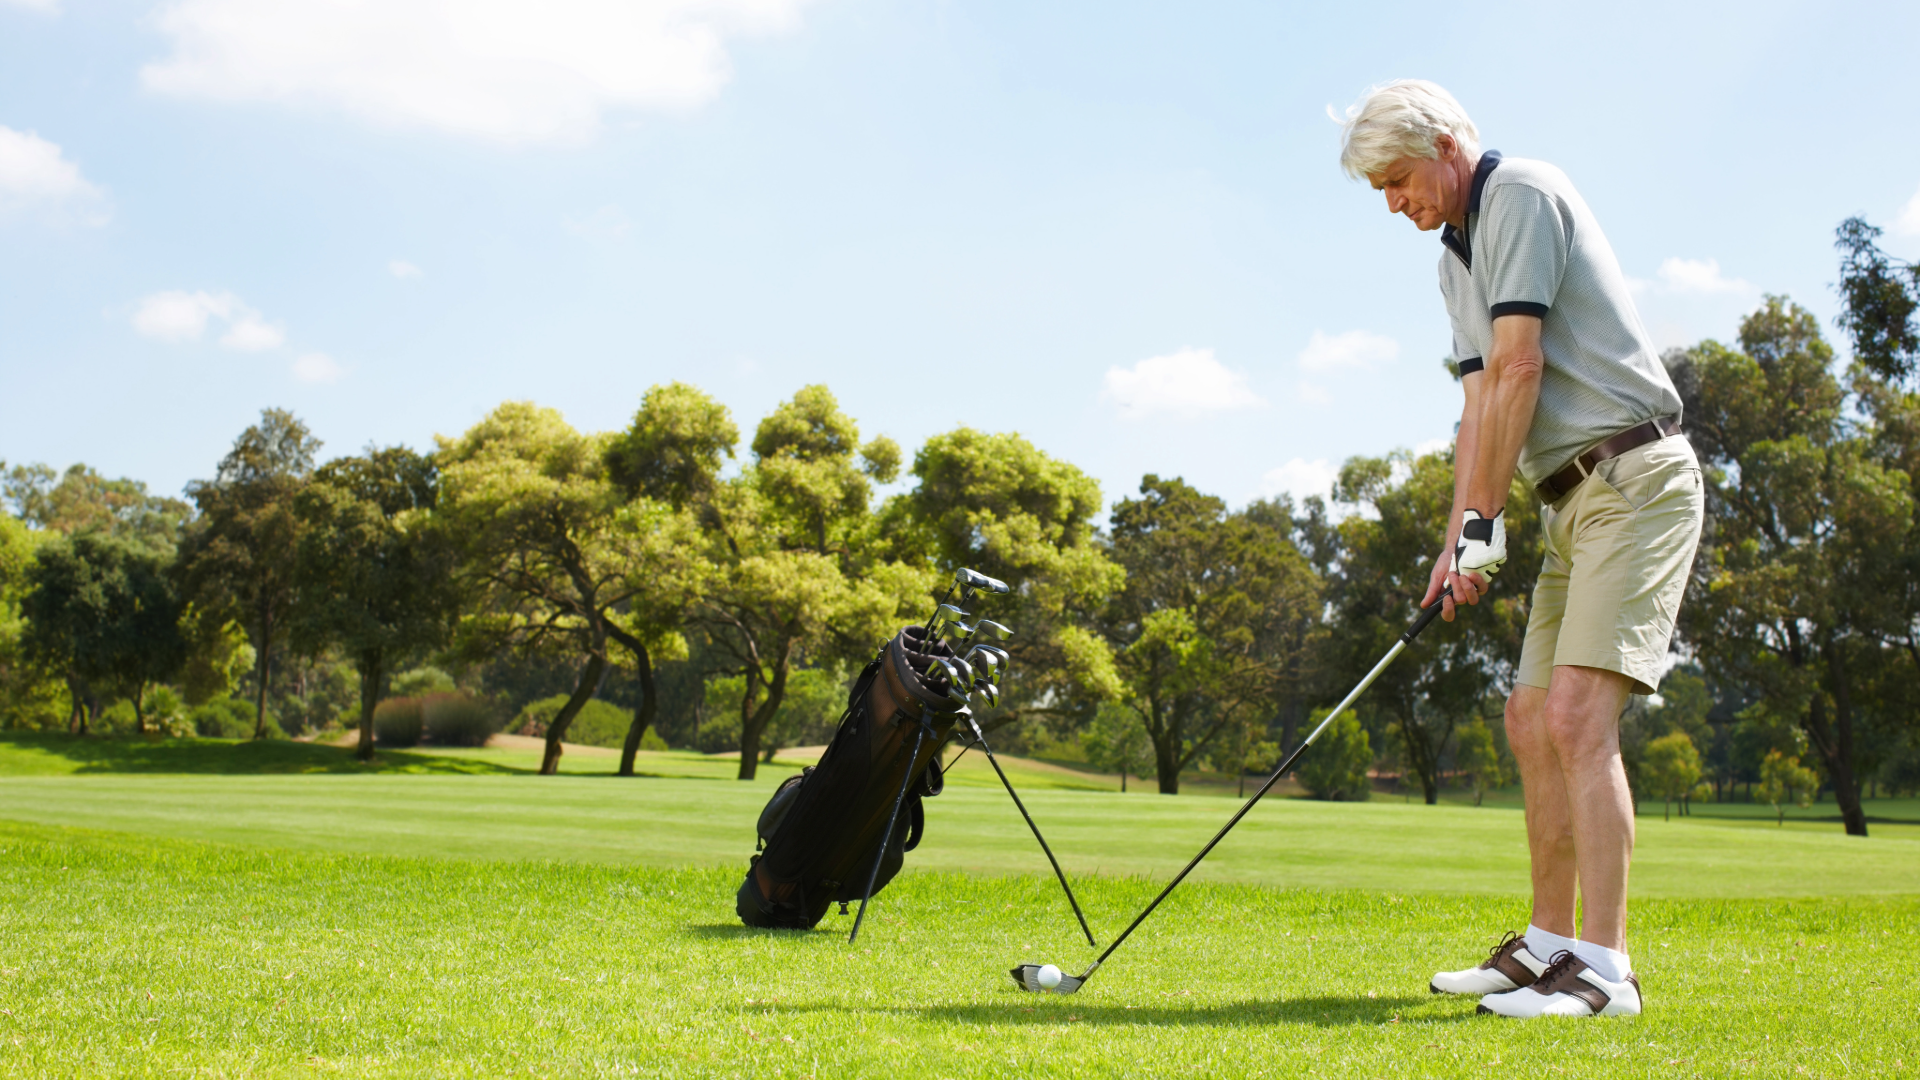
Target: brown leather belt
x,y
1555,487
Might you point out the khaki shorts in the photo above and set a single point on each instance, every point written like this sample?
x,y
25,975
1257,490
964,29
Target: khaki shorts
x,y
1619,549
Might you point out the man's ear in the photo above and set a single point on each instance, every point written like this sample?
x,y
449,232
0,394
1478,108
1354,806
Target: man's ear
x,y
1444,147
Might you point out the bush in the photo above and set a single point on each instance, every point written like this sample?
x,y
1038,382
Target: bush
x,y
229,718
398,722
600,723
455,720
1336,767
421,681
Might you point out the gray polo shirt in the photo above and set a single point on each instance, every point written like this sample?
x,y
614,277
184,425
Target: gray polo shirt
x,y
1532,247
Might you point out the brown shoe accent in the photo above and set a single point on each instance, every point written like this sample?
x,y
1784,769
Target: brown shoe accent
x,y
1501,959
1564,978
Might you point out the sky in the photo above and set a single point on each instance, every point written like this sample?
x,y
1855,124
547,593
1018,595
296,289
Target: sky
x,y
1116,228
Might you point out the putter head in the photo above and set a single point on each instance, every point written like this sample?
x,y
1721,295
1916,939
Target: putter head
x,y
1028,977
975,581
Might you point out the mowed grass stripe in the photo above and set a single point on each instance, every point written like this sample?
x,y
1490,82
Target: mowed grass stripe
x,y
138,956
678,822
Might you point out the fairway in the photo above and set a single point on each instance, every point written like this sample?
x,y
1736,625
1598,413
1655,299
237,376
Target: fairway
x,y
128,956
448,914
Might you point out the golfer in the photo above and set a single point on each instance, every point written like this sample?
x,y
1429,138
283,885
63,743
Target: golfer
x,y
1562,383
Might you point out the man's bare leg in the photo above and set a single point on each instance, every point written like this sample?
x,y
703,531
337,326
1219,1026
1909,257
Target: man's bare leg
x,y
1549,825
1582,724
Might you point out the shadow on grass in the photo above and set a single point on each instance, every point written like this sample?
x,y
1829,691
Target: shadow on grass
x,y
87,754
1328,1011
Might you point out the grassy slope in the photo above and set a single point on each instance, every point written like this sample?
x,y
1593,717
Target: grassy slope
x,y
135,956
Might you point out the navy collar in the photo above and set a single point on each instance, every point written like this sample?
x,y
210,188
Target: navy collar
x,y
1458,241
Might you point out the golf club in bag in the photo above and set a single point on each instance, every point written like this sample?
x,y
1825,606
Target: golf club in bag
x,y
1027,976
834,832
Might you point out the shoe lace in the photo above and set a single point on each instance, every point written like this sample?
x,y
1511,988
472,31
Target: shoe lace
x,y
1501,946
1562,962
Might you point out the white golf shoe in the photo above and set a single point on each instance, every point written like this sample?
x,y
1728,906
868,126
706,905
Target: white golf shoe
x,y
1507,967
1568,988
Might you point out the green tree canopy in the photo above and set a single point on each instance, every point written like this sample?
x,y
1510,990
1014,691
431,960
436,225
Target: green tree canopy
x,y
103,610
81,498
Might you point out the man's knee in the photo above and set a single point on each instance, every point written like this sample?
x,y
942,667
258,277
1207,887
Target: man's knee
x,y
1581,722
1524,719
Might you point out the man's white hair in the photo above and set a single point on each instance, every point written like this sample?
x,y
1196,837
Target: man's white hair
x,y
1399,119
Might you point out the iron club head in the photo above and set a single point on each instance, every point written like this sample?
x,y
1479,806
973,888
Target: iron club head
x,y
945,614
989,691
991,629
1028,978
956,690
994,657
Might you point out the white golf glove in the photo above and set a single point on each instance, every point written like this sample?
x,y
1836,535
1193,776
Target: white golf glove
x,y
1482,548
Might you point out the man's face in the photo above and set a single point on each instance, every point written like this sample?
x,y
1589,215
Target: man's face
x,y
1428,192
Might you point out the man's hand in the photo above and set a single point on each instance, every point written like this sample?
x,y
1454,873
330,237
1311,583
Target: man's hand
x,y
1483,542
1467,587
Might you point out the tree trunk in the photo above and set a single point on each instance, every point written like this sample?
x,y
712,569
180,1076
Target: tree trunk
x,y
643,713
263,669
753,722
592,675
371,665
1422,756
139,710
1166,760
1835,741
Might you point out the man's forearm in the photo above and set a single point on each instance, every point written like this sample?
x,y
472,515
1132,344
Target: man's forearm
x,y
1508,394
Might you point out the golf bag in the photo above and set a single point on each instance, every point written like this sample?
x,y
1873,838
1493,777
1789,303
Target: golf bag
x,y
822,831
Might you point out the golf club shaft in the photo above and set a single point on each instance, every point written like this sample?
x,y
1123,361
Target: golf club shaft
x,y
887,837
1426,616
1057,872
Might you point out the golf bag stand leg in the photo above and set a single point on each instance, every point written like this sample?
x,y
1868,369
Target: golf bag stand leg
x,y
981,737
887,837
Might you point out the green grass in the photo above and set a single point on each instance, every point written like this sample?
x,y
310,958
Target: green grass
x,y
139,956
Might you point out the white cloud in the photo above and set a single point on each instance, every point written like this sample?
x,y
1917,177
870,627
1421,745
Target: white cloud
x,y
401,268
35,174
1908,222
1189,382
251,333
1313,394
177,315
510,71
1696,276
1353,349
1301,478
1431,446
318,368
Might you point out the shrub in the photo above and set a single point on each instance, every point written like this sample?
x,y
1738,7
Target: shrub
x,y
455,720
229,718
1336,767
421,681
600,723
398,722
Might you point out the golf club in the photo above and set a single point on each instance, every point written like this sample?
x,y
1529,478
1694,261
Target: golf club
x,y
1027,976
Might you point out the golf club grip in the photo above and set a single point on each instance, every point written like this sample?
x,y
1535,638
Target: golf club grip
x,y
1285,766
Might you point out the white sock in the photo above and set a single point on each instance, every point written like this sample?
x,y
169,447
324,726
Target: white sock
x,y
1544,945
1609,965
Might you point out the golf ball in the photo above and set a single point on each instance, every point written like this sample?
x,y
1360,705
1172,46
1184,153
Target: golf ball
x,y
1048,976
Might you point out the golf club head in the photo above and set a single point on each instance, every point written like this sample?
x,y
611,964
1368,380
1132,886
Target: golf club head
x,y
965,669
956,690
946,615
1028,977
991,629
975,581
989,691
983,661
995,656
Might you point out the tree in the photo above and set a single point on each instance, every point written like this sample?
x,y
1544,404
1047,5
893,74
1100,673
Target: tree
x,y
998,504
1880,296
799,571
670,454
1784,780
29,693
1672,766
1117,740
373,576
240,557
1808,535
550,548
103,611
1476,754
81,499
1385,554
1210,627
1337,766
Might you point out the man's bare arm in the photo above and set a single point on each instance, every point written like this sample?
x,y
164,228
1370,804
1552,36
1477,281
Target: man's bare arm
x,y
1465,441
1509,391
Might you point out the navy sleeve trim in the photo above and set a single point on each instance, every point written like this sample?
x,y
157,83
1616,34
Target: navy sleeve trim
x,y
1469,366
1520,307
